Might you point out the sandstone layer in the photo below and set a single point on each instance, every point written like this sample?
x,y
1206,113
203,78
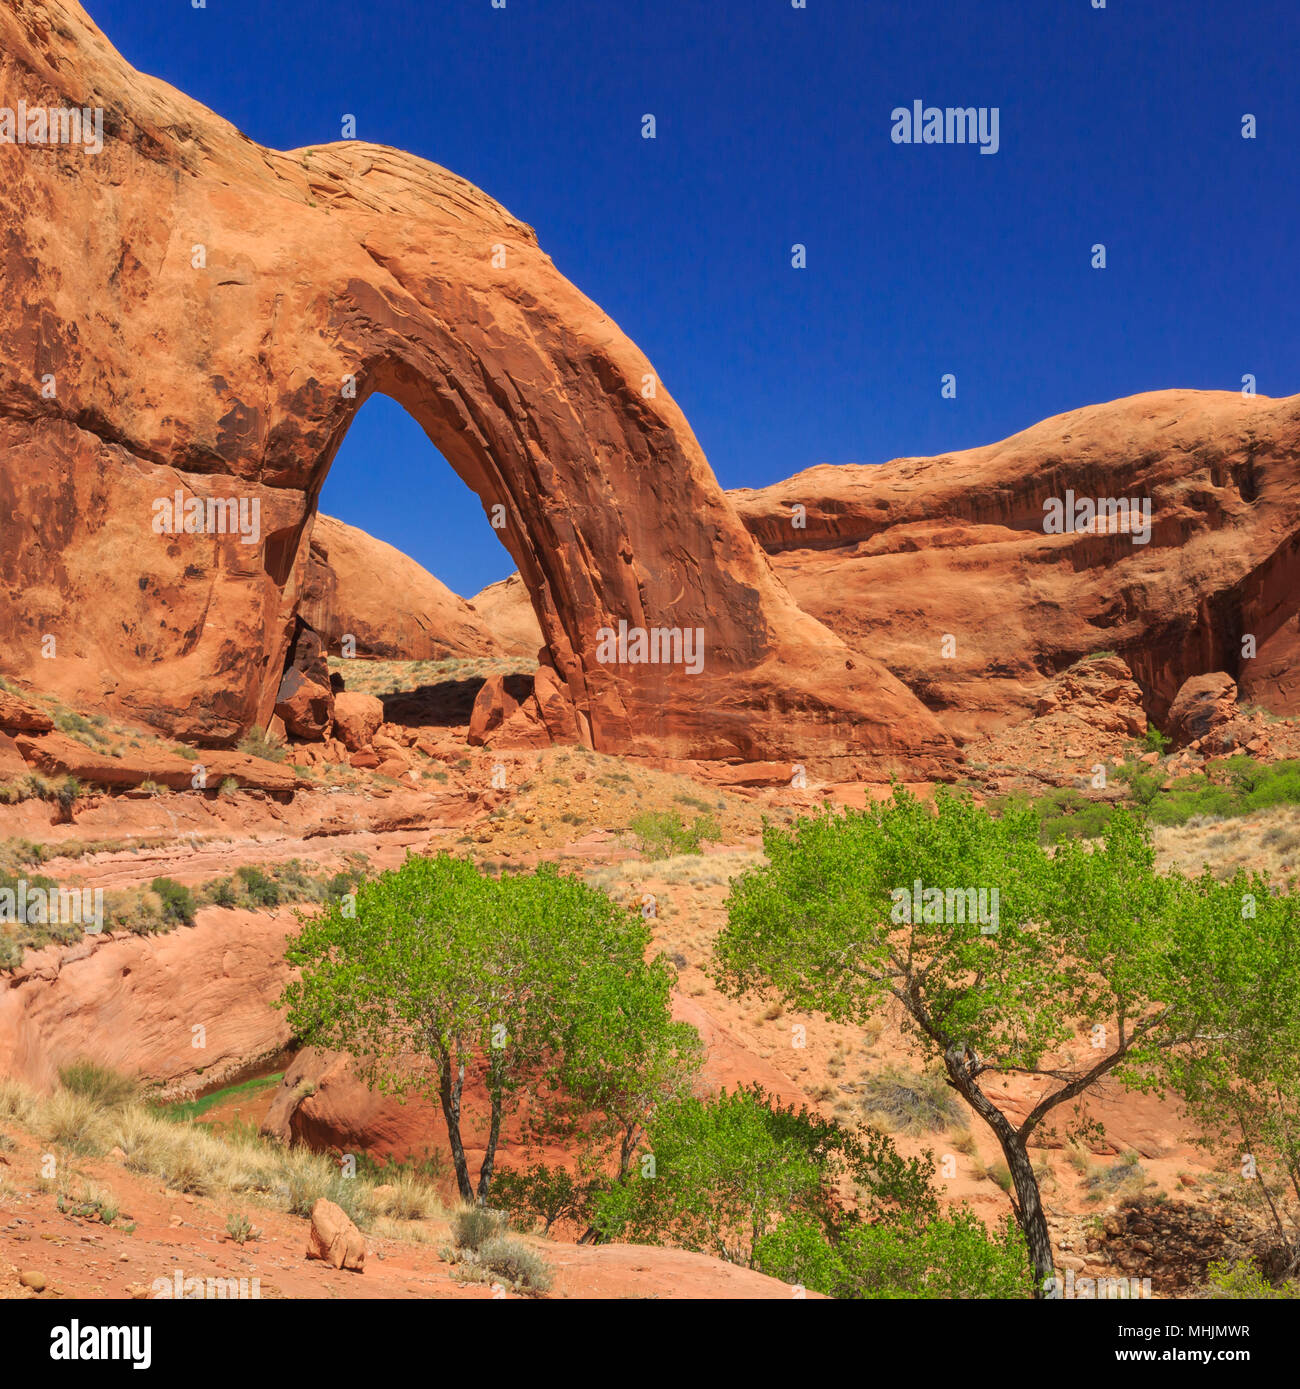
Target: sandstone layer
x,y
897,557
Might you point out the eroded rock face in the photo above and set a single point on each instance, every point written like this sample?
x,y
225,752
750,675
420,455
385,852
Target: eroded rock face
x,y
225,311
897,557
506,610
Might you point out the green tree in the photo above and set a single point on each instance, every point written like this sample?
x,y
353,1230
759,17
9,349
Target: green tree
x,y
1095,965
721,1173
444,973
948,1255
624,1055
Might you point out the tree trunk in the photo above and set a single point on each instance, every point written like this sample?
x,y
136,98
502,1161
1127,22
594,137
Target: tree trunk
x,y
449,1094
490,1155
1028,1203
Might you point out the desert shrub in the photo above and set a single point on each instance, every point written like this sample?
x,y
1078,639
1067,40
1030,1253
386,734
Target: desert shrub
x,y
514,1263
1243,1280
240,1228
474,1225
663,833
106,1088
229,786
260,887
178,904
220,892
1155,741
258,743
910,1102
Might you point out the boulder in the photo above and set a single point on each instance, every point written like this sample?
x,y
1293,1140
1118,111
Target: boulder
x,y
305,707
334,1238
1202,704
497,700
18,715
357,718
305,698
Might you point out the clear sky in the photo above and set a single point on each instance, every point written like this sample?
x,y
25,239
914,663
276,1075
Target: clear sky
x,y
1120,126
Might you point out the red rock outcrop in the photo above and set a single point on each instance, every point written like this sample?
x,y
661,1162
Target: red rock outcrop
x,y
506,610
391,606
178,1010
192,323
1203,704
899,556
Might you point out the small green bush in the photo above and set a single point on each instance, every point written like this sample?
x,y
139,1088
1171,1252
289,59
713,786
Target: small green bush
x,y
178,905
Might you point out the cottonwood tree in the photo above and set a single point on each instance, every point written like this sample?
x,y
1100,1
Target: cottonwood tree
x,y
446,974
1239,1076
1097,965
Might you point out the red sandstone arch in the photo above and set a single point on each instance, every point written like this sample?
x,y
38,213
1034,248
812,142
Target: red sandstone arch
x,y
223,372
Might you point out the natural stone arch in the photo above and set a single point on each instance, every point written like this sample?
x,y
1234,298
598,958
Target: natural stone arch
x,y
223,372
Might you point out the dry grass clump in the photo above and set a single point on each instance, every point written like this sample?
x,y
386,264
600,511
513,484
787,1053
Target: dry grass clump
x,y
909,1102
106,1111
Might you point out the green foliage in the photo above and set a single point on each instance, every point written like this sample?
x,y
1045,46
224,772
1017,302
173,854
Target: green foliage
x,y
260,889
259,743
663,833
722,1172
178,905
1155,741
544,1195
1192,982
240,1229
502,978
185,1110
107,1088
1244,1281
950,1256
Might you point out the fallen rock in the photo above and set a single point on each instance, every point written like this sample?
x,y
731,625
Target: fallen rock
x,y
357,718
1202,704
33,1280
304,706
334,1238
18,715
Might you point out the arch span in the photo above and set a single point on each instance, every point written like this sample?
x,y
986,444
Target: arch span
x,y
231,308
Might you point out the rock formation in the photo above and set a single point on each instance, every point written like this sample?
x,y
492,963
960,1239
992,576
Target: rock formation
x,y
899,556
391,606
506,610
193,322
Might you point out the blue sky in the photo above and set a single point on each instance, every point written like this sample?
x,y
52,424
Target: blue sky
x,y
1120,126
